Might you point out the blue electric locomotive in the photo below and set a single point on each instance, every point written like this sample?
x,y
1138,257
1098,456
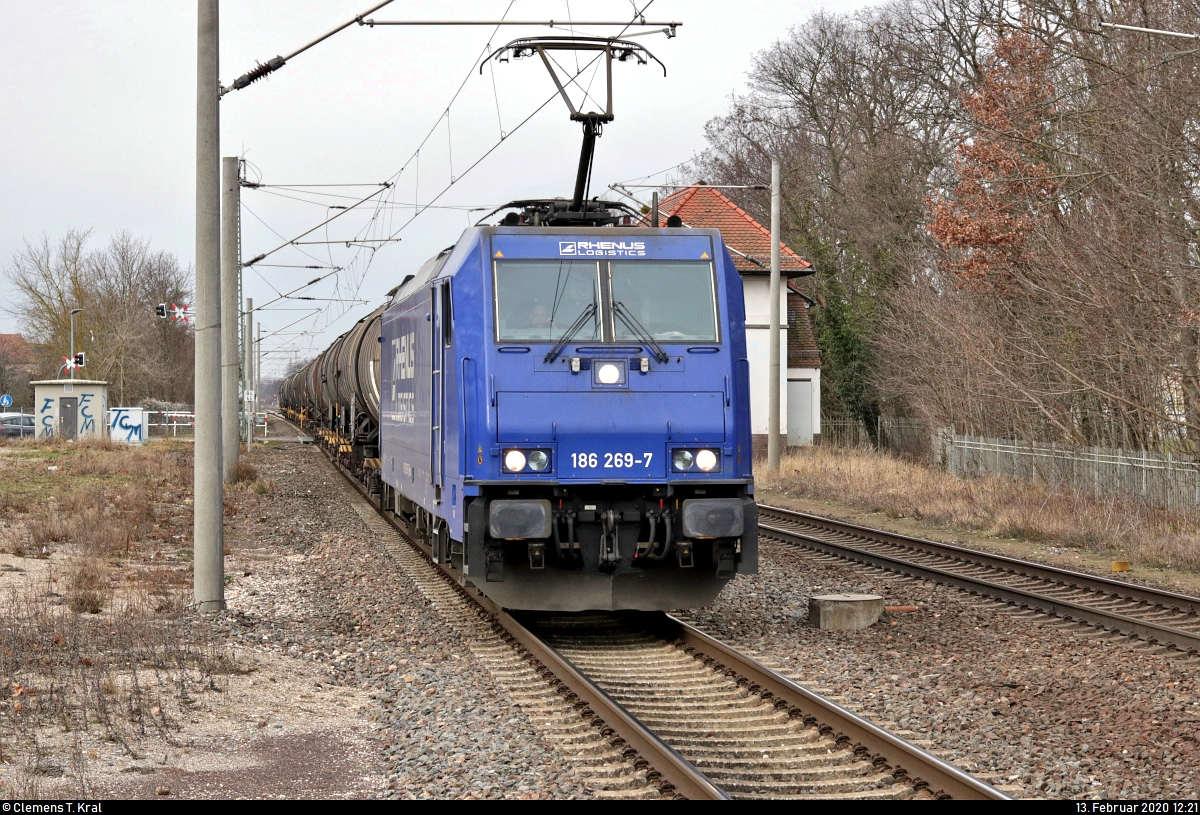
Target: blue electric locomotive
x,y
562,412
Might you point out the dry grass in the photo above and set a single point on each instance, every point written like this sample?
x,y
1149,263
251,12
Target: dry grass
x,y
244,472
104,638
1003,507
89,586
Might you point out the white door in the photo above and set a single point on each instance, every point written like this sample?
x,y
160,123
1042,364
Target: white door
x,y
799,412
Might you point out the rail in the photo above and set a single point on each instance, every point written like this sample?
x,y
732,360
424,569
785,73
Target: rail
x,y
920,767
1155,615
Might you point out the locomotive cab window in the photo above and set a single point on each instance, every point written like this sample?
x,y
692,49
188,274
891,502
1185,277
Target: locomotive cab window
x,y
540,300
447,315
674,300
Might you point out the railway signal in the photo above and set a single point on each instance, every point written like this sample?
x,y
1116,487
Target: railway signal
x,y
176,313
72,363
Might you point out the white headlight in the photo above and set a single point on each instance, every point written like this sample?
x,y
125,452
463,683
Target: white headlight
x,y
514,461
681,460
706,460
609,374
538,460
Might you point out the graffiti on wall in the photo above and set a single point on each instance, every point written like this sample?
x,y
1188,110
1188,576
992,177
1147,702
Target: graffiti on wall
x,y
127,425
48,414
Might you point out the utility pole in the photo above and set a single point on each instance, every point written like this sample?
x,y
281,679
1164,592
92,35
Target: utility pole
x,y
74,311
208,507
258,373
248,364
773,387
231,269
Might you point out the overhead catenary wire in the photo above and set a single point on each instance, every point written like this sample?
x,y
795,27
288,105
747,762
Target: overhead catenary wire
x,y
569,26
492,149
416,156
291,266
254,260
385,204
275,63
258,218
258,186
355,198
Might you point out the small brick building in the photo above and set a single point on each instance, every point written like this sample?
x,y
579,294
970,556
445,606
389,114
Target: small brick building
x,y
749,242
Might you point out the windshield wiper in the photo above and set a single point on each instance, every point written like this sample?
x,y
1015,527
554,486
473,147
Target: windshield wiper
x,y
640,331
588,313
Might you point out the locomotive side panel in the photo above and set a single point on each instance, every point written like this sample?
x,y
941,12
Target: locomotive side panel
x,y
405,401
459,292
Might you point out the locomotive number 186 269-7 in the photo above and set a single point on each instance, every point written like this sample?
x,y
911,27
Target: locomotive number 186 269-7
x,y
610,461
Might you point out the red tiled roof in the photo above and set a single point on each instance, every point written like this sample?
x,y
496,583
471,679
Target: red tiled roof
x,y
704,207
14,350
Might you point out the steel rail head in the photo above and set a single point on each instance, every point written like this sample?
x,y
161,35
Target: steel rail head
x,y
674,768
1130,590
1148,630
921,767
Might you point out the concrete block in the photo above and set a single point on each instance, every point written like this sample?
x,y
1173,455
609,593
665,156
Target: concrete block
x,y
844,612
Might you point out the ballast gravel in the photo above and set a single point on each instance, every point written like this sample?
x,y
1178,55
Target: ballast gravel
x,y
308,584
1032,704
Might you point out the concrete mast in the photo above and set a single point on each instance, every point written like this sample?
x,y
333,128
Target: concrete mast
x,y
230,270
248,367
773,389
208,507
258,357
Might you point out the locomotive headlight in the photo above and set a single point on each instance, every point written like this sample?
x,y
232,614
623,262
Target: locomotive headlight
x,y
706,460
538,460
608,374
682,460
514,461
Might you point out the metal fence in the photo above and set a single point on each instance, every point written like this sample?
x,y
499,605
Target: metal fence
x,y
170,423
1166,479
895,434
173,423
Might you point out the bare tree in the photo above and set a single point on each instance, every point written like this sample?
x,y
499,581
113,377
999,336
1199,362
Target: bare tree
x,y
117,287
1000,200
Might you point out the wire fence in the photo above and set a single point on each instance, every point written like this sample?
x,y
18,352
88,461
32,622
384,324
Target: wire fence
x,y
173,423
896,434
1168,479
1165,479
170,423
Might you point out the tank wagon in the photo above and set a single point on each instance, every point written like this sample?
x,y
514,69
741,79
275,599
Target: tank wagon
x,y
558,406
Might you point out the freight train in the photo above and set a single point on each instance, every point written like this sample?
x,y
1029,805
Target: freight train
x,y
558,408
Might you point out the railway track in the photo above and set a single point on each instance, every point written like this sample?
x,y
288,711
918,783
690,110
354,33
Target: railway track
x,y
707,721
1153,615
752,732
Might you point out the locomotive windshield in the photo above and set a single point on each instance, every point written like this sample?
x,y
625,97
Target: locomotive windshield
x,y
538,300
618,301
673,300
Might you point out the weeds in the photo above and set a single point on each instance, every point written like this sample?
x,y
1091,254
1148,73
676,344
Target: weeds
x,y
89,586
244,472
101,643
1004,507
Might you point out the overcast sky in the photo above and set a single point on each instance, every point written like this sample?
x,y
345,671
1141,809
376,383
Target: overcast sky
x,y
99,126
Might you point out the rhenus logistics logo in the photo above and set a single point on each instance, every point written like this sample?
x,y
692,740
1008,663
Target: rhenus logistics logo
x,y
602,249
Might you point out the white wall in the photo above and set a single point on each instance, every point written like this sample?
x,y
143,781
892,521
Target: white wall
x,y
813,375
91,419
757,292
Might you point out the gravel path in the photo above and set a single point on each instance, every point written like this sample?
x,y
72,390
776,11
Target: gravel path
x,y
1041,707
311,583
